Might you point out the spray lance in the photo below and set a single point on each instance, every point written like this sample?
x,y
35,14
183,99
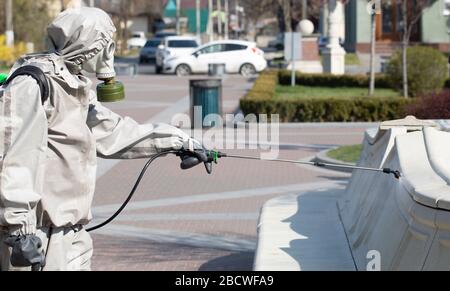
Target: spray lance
x,y
208,158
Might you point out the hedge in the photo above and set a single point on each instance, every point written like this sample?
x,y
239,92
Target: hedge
x,y
260,100
328,80
333,110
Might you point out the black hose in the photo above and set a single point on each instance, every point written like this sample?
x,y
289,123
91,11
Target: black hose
x,y
133,191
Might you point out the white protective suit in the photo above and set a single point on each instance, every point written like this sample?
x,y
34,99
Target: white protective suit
x,y
48,153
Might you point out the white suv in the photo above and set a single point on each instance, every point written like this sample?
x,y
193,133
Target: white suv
x,y
237,56
174,46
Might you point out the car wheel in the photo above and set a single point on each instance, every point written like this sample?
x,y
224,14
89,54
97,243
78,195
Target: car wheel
x,y
248,70
183,70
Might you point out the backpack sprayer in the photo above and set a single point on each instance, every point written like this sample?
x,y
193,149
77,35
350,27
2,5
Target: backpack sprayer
x,y
208,158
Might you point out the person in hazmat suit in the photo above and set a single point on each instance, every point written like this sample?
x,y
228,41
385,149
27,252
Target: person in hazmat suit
x,y
48,152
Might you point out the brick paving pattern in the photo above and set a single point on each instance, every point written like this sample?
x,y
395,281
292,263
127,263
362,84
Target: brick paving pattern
x,y
187,221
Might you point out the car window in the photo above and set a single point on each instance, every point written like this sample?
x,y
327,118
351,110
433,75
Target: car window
x,y
216,48
164,34
182,44
153,43
229,47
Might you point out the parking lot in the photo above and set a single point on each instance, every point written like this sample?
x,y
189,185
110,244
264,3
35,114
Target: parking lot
x,y
188,220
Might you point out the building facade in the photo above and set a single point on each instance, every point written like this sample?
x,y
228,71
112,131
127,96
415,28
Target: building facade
x,y
432,28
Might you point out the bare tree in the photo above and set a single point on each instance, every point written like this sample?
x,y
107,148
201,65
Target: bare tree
x,y
373,44
411,11
122,11
255,10
286,7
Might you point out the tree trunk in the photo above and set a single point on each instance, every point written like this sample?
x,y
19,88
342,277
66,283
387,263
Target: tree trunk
x,y
372,56
404,49
286,6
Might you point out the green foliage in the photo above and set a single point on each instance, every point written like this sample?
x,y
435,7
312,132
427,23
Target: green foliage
x,y
297,92
31,18
328,80
262,99
332,110
352,59
264,87
427,70
348,154
8,55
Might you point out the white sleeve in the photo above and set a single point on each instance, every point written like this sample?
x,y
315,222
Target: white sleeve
x,y
123,138
23,145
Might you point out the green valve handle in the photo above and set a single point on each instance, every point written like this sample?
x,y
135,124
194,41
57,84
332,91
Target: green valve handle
x,y
3,78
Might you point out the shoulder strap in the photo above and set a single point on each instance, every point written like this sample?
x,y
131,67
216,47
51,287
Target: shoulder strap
x,y
36,74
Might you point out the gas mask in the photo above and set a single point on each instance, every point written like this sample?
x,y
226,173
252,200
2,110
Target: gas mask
x,y
102,64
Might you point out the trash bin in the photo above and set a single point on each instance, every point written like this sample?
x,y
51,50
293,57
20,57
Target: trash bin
x,y
216,70
206,101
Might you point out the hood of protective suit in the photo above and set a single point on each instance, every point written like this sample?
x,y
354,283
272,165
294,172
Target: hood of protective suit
x,y
77,35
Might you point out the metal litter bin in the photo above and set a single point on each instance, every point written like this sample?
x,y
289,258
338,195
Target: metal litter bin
x,y
216,70
206,103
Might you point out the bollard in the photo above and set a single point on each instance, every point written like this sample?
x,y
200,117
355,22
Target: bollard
x,y
216,70
206,102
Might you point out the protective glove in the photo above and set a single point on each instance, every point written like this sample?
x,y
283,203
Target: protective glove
x,y
193,154
196,149
26,251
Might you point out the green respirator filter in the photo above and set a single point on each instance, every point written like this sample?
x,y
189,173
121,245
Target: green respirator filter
x,y
110,91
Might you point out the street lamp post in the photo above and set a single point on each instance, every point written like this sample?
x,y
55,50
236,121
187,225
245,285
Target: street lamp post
x,y
238,25
210,21
227,13
219,18
304,9
9,24
198,18
178,12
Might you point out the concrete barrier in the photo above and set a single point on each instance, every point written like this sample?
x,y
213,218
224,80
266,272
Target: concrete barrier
x,y
406,221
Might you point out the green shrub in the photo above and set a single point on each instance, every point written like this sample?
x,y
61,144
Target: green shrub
x,y
261,100
329,80
264,87
329,110
427,70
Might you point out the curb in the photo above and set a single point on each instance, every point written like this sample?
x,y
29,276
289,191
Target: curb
x,y
322,157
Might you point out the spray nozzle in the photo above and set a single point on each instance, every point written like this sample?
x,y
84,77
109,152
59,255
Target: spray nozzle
x,y
191,159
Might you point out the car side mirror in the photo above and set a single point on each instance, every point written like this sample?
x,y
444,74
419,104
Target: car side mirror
x,y
161,47
196,55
